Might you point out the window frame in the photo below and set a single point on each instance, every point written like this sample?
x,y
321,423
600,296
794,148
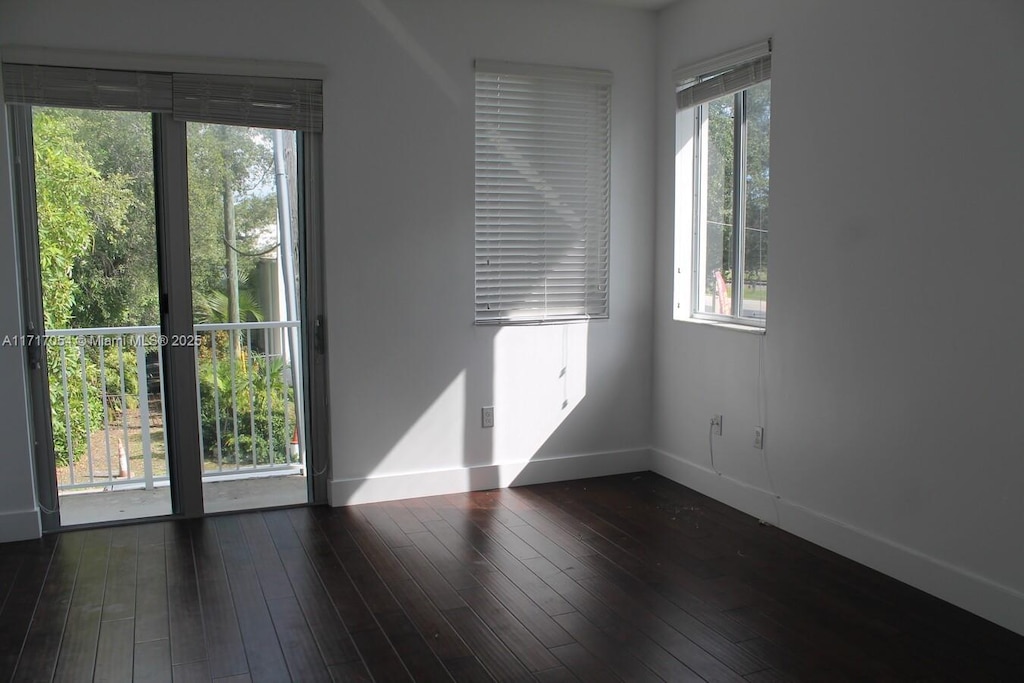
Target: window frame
x,y
691,225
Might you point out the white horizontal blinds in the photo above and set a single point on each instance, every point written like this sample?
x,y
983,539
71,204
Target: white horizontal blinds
x,y
291,103
543,158
724,75
59,86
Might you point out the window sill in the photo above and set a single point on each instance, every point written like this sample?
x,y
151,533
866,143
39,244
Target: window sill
x,y
748,329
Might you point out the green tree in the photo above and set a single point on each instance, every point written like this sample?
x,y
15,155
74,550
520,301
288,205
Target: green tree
x,y
94,175
73,203
117,277
721,158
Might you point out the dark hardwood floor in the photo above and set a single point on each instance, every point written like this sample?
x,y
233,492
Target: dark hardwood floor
x,y
629,578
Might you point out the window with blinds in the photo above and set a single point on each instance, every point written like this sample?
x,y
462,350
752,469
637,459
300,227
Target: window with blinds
x,y
543,161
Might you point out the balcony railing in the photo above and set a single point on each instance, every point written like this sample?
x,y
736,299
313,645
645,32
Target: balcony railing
x,y
107,403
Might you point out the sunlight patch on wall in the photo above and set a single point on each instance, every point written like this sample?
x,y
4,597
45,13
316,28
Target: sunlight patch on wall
x,y
540,376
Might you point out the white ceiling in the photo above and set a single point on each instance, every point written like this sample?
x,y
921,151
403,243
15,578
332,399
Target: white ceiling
x,y
639,4
636,4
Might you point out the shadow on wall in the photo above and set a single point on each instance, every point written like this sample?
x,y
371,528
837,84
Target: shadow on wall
x,y
540,377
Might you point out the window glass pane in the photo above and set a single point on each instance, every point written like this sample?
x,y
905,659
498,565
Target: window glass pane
x,y
718,199
755,290
243,219
97,262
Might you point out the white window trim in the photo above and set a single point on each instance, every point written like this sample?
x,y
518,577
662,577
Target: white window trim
x,y
688,263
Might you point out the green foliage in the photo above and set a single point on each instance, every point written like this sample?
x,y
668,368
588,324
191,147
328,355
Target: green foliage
x,y
96,209
721,159
220,158
75,202
117,277
244,392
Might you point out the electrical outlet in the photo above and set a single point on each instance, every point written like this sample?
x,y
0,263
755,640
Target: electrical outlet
x,y
487,417
716,425
758,437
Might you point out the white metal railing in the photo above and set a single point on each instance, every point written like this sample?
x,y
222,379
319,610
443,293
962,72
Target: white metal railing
x,y
107,398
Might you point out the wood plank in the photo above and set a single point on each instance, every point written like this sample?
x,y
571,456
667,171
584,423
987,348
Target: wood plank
x,y
556,675
474,523
81,634
342,592
627,658
151,614
700,648
42,643
412,649
421,510
184,612
350,672
459,547
432,581
586,667
363,536
436,630
300,653
509,630
193,672
382,523
34,564
10,564
115,651
273,578
152,662
153,532
468,669
540,624
259,637
119,593
379,655
512,567
226,654
335,645
403,517
367,581
453,570
492,653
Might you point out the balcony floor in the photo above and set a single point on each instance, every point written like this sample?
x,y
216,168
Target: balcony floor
x,y
218,496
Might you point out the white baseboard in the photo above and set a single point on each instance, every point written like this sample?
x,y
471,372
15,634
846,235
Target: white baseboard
x,y
974,593
20,525
482,477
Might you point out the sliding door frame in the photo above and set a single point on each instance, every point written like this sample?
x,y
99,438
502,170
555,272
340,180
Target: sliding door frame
x,y
19,119
170,178
314,324
174,265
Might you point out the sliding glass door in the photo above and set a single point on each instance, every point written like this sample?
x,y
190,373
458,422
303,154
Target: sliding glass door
x,y
165,286
243,186
95,242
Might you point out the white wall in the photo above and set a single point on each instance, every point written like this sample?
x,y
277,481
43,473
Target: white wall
x,y
409,371
894,372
